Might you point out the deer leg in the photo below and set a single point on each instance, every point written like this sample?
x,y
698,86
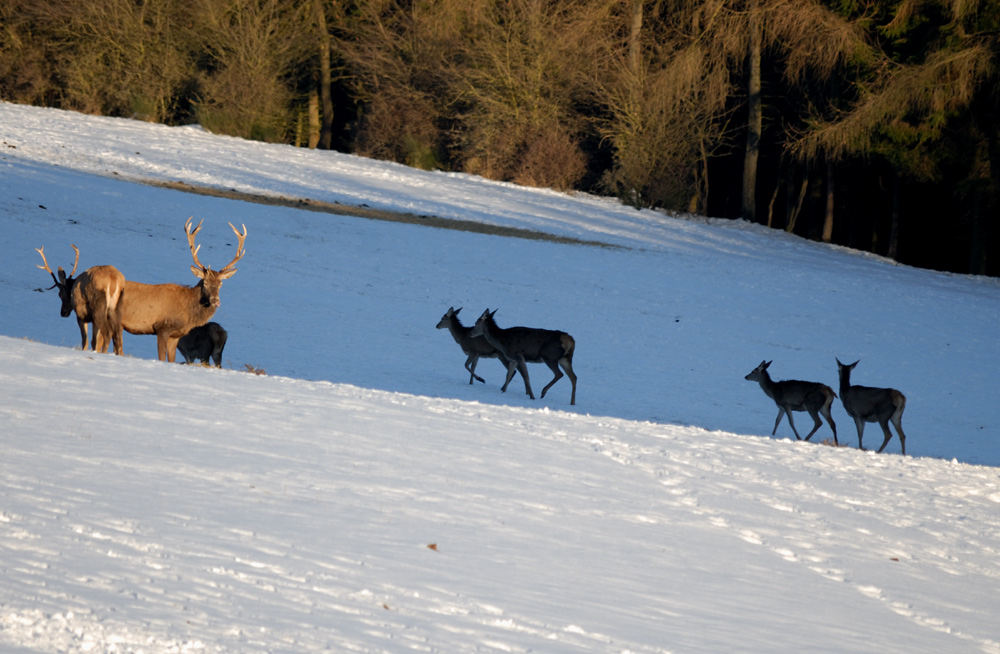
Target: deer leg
x,y
554,367
521,367
220,345
83,334
860,424
115,327
567,365
884,424
504,362
470,365
102,328
101,340
792,423
511,367
897,419
825,410
817,423
781,412
161,346
172,348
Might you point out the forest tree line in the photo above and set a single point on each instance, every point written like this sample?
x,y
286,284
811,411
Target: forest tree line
x,y
868,123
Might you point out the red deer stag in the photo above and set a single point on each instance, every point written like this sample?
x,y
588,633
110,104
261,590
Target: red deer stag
x,y
867,404
794,395
474,347
170,310
94,296
204,342
521,345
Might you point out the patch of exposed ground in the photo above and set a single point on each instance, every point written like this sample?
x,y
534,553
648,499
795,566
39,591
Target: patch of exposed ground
x,y
376,214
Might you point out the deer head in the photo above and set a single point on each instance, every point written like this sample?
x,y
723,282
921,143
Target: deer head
x,y
64,283
211,280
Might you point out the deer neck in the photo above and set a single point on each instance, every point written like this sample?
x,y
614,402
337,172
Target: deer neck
x,y
766,384
457,330
490,330
201,306
845,384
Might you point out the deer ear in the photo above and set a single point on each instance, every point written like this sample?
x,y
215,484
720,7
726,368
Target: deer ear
x,y
198,272
226,274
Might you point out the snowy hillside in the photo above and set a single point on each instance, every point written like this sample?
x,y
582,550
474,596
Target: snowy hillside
x,y
364,497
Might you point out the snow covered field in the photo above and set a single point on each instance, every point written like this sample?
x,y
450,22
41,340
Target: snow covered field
x,y
147,507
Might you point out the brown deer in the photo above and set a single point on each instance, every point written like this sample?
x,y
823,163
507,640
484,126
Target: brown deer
x,y
867,404
521,345
474,347
170,310
94,296
204,342
794,395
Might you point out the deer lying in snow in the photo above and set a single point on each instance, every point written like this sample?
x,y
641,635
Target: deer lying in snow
x,y
475,347
521,345
867,404
94,296
795,395
204,342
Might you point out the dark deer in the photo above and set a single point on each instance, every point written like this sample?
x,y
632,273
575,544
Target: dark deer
x,y
794,395
867,404
170,310
204,342
522,345
94,296
474,347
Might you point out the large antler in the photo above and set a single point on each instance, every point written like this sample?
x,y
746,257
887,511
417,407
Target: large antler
x,y
239,248
190,236
46,268
49,270
194,249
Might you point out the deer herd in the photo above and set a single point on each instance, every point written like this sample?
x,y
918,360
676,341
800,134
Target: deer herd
x,y
516,346
862,403
176,314
179,317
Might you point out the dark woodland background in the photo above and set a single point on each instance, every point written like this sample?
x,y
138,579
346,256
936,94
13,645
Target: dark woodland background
x,y
867,123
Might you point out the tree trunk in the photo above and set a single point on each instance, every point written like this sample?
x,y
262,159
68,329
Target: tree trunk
x,y
828,219
634,41
795,201
754,121
325,78
315,130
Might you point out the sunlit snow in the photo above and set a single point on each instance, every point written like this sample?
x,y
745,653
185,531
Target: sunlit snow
x,y
363,497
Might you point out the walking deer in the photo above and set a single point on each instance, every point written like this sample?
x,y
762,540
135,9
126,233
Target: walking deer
x,y
204,342
170,310
867,404
94,296
794,395
475,347
522,345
